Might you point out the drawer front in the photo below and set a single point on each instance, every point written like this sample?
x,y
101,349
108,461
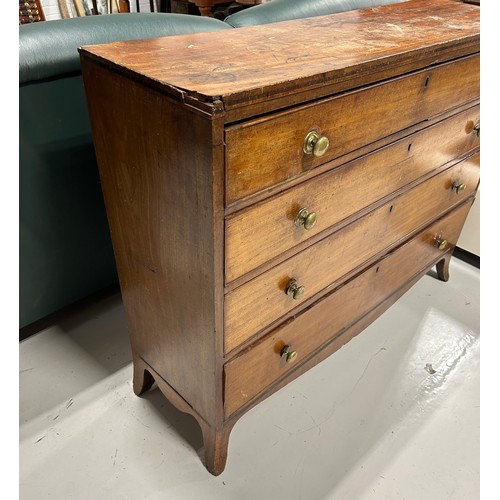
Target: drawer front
x,y
260,302
264,152
257,368
263,232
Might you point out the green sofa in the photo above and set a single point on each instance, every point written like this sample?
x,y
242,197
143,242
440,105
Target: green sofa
x,y
285,10
65,247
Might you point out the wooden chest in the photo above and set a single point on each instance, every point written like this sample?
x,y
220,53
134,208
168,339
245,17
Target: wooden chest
x,y
266,204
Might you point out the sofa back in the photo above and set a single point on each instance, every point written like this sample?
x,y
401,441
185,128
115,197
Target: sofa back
x,y
50,48
65,245
285,10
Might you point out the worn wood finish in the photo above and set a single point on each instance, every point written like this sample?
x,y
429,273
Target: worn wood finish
x,y
215,439
266,62
338,341
165,245
181,126
262,301
349,121
296,180
266,230
257,368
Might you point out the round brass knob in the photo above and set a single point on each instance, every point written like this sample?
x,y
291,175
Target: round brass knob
x,y
477,128
458,187
294,290
288,354
315,144
305,218
441,243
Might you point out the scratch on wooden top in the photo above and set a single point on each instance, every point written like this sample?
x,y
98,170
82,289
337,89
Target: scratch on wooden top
x,y
263,61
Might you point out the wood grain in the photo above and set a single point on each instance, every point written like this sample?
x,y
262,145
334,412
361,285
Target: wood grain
x,y
349,122
266,230
258,367
160,199
395,86
260,302
265,62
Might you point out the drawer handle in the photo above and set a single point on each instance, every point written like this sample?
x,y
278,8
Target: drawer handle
x,y
473,128
305,218
458,187
294,290
476,128
288,354
440,243
315,144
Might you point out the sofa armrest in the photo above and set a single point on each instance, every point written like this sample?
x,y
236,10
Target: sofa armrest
x,y
285,10
49,48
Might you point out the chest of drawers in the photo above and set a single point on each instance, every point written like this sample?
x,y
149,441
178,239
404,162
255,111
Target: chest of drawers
x,y
266,206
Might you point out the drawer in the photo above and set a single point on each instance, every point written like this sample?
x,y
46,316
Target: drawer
x,y
262,232
267,151
255,369
258,303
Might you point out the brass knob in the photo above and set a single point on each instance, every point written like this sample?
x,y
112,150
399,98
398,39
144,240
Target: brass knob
x,y
305,218
477,128
458,187
288,354
315,144
440,243
294,289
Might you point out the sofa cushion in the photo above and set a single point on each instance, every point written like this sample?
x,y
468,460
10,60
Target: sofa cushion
x,y
50,48
285,10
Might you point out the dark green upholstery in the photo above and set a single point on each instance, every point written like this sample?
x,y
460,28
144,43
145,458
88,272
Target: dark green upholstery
x,y
50,48
65,247
285,10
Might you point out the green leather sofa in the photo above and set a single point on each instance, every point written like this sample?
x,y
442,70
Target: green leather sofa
x,y
284,10
65,247
64,241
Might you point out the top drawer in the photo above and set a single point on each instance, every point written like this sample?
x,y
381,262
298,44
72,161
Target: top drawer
x,y
267,151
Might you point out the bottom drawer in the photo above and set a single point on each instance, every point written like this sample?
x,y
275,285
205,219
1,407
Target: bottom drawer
x,y
262,364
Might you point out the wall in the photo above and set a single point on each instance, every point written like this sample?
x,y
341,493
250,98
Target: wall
x,y
470,236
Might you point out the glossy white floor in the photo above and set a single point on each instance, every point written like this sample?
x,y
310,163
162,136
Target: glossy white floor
x,y
392,415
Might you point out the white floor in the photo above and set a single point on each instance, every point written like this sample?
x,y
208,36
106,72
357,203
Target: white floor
x,y
393,415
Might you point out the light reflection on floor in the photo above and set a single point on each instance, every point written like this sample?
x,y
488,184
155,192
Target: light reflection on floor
x,y
392,415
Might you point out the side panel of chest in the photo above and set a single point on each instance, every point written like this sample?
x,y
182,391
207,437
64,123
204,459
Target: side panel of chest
x,y
166,228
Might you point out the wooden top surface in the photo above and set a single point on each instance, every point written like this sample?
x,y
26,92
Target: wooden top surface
x,y
264,62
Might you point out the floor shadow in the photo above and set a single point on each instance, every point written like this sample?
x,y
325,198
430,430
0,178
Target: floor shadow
x,y
183,424
100,330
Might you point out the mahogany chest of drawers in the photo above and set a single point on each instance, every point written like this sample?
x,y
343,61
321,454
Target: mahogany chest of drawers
x,y
266,205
